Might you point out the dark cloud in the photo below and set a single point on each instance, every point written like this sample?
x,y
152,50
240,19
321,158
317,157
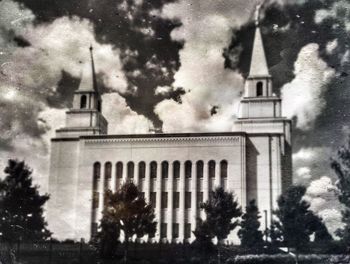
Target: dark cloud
x,y
21,42
286,30
135,28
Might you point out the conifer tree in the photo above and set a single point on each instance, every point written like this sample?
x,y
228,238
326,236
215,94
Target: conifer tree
x,y
249,234
296,222
341,166
128,212
222,211
21,205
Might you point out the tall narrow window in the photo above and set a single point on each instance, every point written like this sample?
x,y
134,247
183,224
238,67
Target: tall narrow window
x,y
131,167
211,169
99,106
142,170
153,199
187,230
153,170
187,200
176,200
96,178
175,230
176,169
119,170
83,101
199,199
188,169
165,169
96,172
223,169
163,230
164,200
259,89
200,169
108,175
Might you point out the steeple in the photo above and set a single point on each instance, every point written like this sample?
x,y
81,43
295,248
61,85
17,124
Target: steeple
x,y
258,100
258,64
85,118
88,82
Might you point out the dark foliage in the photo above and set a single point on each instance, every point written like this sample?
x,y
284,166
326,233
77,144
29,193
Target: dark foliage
x,y
296,221
127,211
249,234
21,205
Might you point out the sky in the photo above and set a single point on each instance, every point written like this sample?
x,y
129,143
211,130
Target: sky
x,y
179,66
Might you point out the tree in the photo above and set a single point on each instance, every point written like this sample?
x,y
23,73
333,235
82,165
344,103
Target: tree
x,y
220,210
341,166
21,205
128,212
295,219
249,234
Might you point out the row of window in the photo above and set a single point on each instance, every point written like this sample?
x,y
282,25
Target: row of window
x,y
164,227
164,199
163,230
164,169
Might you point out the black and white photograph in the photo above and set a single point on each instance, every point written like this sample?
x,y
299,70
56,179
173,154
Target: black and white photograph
x,y
174,131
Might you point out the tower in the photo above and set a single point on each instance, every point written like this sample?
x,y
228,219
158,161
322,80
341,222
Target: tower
x,y
268,142
85,118
259,100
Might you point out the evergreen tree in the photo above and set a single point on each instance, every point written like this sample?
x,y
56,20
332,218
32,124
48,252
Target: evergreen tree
x,y
249,234
341,166
222,211
128,212
21,205
296,221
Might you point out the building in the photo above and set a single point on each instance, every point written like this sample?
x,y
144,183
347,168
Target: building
x,y
175,172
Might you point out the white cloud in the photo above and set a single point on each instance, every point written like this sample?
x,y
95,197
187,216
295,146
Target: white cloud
x,y
339,10
121,119
303,95
304,173
323,197
163,90
30,74
206,30
331,46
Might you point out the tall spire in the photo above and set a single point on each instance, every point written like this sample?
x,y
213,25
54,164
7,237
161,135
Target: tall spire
x,y
94,80
88,79
258,66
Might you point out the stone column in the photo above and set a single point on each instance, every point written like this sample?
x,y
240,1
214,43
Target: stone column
x,y
136,175
113,178
170,201
217,174
193,219
158,209
205,185
101,192
182,202
147,182
125,168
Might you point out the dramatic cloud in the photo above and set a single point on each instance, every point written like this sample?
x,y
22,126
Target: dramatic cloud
x,y
206,31
303,96
121,119
34,59
323,197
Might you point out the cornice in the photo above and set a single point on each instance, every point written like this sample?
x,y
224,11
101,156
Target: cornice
x,y
163,139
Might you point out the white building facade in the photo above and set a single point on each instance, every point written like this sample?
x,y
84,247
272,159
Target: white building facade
x,y
174,172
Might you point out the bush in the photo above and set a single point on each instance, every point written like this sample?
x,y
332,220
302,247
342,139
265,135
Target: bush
x,y
339,259
264,259
195,260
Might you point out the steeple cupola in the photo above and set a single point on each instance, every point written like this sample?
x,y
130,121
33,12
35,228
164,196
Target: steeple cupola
x,y
85,118
258,100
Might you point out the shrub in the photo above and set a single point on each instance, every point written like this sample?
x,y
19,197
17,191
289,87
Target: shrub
x,y
339,259
264,259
